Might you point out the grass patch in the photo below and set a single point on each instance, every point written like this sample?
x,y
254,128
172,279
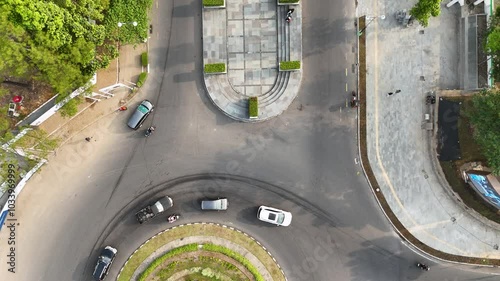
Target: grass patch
x,y
142,79
289,65
217,267
152,266
288,1
207,247
215,68
213,3
253,107
200,230
144,59
371,177
236,256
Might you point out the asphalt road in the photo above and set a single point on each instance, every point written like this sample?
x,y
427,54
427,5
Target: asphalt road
x,y
302,161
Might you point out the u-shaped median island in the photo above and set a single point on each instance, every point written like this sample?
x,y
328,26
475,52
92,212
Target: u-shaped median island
x,y
252,56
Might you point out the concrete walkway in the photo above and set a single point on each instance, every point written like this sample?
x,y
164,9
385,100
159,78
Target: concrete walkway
x,y
251,37
401,152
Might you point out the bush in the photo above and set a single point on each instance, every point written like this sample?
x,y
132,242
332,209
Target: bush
x,y
144,59
71,107
288,65
288,1
215,67
253,107
213,3
424,9
142,79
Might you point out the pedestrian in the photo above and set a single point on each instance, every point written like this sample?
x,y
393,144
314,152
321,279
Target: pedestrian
x,y
398,91
390,94
288,19
88,139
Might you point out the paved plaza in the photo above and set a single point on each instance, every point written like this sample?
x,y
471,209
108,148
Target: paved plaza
x,y
251,37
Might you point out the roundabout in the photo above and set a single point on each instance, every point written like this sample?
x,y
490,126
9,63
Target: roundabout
x,y
216,252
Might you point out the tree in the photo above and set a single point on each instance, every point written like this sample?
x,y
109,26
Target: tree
x,y
424,9
485,118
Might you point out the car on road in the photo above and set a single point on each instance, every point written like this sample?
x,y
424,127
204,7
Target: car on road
x,y
274,216
154,209
104,262
140,114
219,204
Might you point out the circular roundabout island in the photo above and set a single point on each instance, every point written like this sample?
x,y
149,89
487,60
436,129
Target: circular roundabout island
x,y
201,252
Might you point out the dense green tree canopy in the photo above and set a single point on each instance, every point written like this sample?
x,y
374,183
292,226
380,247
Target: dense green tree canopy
x,y
485,117
424,9
63,42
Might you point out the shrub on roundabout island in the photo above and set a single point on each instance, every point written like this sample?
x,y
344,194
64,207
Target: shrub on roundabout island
x,y
213,3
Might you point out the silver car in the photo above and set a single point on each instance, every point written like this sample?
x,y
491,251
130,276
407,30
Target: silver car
x,y
219,204
140,114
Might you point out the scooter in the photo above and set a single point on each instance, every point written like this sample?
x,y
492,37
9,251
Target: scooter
x,y
173,218
149,131
122,108
423,266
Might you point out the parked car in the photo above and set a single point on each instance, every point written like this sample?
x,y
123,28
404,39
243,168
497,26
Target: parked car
x,y
219,204
140,114
154,209
104,262
274,216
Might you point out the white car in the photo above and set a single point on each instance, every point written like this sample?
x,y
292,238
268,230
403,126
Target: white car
x,y
274,216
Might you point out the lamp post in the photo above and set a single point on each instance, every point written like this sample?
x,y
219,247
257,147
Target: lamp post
x,y
120,24
371,20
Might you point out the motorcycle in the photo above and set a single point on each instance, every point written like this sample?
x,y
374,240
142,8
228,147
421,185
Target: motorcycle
x,y
173,218
122,108
149,131
423,266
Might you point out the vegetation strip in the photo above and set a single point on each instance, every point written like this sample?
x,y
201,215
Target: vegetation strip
x,y
215,68
213,3
166,237
290,65
208,247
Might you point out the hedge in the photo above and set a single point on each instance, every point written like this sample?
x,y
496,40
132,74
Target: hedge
x,y
253,107
215,67
287,65
213,2
142,79
144,59
288,1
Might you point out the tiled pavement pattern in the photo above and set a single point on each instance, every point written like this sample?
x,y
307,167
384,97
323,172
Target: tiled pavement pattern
x,y
251,37
401,152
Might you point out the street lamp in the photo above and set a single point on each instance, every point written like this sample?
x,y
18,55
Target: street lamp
x,y
120,24
382,17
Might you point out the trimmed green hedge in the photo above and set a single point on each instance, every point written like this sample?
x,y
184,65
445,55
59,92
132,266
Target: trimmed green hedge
x,y
288,65
253,107
144,59
288,1
213,2
237,257
142,79
215,67
152,266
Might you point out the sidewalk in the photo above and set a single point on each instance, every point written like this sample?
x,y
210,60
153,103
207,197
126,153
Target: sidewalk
x,y
401,154
126,70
